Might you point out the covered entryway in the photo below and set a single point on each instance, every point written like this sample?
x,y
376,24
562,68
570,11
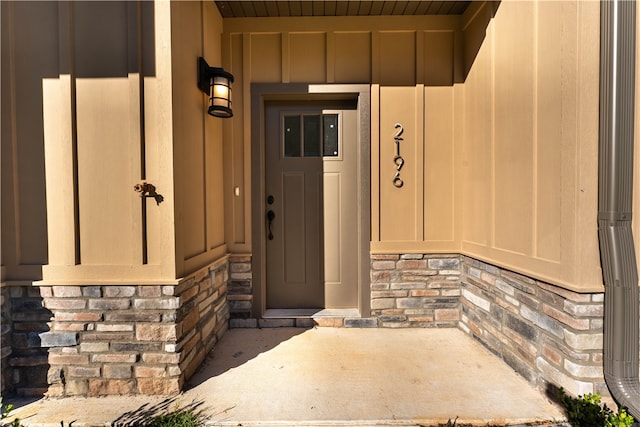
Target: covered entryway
x,y
311,214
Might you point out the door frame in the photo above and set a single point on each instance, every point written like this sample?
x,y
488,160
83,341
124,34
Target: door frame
x,y
261,93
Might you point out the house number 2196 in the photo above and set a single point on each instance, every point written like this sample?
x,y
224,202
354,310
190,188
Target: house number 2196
x,y
397,159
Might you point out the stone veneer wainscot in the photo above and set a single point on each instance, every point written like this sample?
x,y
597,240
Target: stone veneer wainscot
x,y
128,339
415,290
550,335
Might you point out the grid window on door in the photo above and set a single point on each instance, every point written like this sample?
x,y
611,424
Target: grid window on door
x,y
311,135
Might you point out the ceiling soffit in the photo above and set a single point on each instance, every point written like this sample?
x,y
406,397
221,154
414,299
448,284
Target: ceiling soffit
x,y
263,9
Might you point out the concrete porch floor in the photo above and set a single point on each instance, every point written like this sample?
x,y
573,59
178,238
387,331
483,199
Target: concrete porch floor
x,y
332,376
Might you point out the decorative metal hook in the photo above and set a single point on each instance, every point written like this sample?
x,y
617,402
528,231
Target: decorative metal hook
x,y
148,190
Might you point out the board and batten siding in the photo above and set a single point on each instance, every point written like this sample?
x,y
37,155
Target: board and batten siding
x,y
96,107
394,52
529,159
499,110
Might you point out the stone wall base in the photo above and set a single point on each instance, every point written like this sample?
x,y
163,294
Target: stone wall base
x,y
24,360
550,335
240,288
415,290
91,340
94,340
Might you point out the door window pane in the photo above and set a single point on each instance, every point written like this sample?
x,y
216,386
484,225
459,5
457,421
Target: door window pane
x,y
311,126
330,140
292,136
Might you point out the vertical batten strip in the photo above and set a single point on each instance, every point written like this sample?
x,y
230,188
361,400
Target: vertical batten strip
x,y
286,58
420,59
491,30
331,56
375,57
205,214
136,130
375,163
67,58
420,165
534,129
245,158
14,136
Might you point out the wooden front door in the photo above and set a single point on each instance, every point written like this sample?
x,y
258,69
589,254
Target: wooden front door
x,y
311,206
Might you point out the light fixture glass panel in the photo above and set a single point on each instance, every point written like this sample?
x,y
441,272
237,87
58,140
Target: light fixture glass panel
x,y
292,132
311,136
221,88
330,130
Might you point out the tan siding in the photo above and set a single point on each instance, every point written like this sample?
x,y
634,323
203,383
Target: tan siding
x,y
105,190
307,57
235,159
393,51
98,108
400,213
438,57
396,57
352,57
159,147
477,160
513,121
213,131
24,222
440,165
197,138
554,71
266,64
188,129
530,185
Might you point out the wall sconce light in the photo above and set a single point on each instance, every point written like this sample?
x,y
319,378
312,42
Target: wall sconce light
x,y
216,83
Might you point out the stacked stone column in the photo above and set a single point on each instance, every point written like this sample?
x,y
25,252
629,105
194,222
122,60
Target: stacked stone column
x,y
123,339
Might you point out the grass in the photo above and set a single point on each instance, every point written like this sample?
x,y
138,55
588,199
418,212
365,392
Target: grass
x,y
179,418
168,413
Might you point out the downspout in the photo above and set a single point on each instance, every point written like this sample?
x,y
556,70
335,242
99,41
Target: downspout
x,y
615,197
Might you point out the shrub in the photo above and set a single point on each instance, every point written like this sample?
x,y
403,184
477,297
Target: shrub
x,y
588,411
4,413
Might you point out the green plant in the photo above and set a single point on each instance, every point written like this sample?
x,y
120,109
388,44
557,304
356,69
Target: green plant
x,y
178,418
588,411
4,413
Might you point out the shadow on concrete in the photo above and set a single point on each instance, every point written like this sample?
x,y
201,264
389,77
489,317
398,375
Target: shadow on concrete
x,y
232,351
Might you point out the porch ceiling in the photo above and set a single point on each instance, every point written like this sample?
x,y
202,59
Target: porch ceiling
x,y
260,8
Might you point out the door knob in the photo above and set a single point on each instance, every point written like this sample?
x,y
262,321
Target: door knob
x,y
271,215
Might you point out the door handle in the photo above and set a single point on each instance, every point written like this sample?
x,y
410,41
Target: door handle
x,y
271,215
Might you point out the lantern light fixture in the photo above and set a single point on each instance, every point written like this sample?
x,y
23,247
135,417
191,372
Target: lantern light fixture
x,y
216,83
